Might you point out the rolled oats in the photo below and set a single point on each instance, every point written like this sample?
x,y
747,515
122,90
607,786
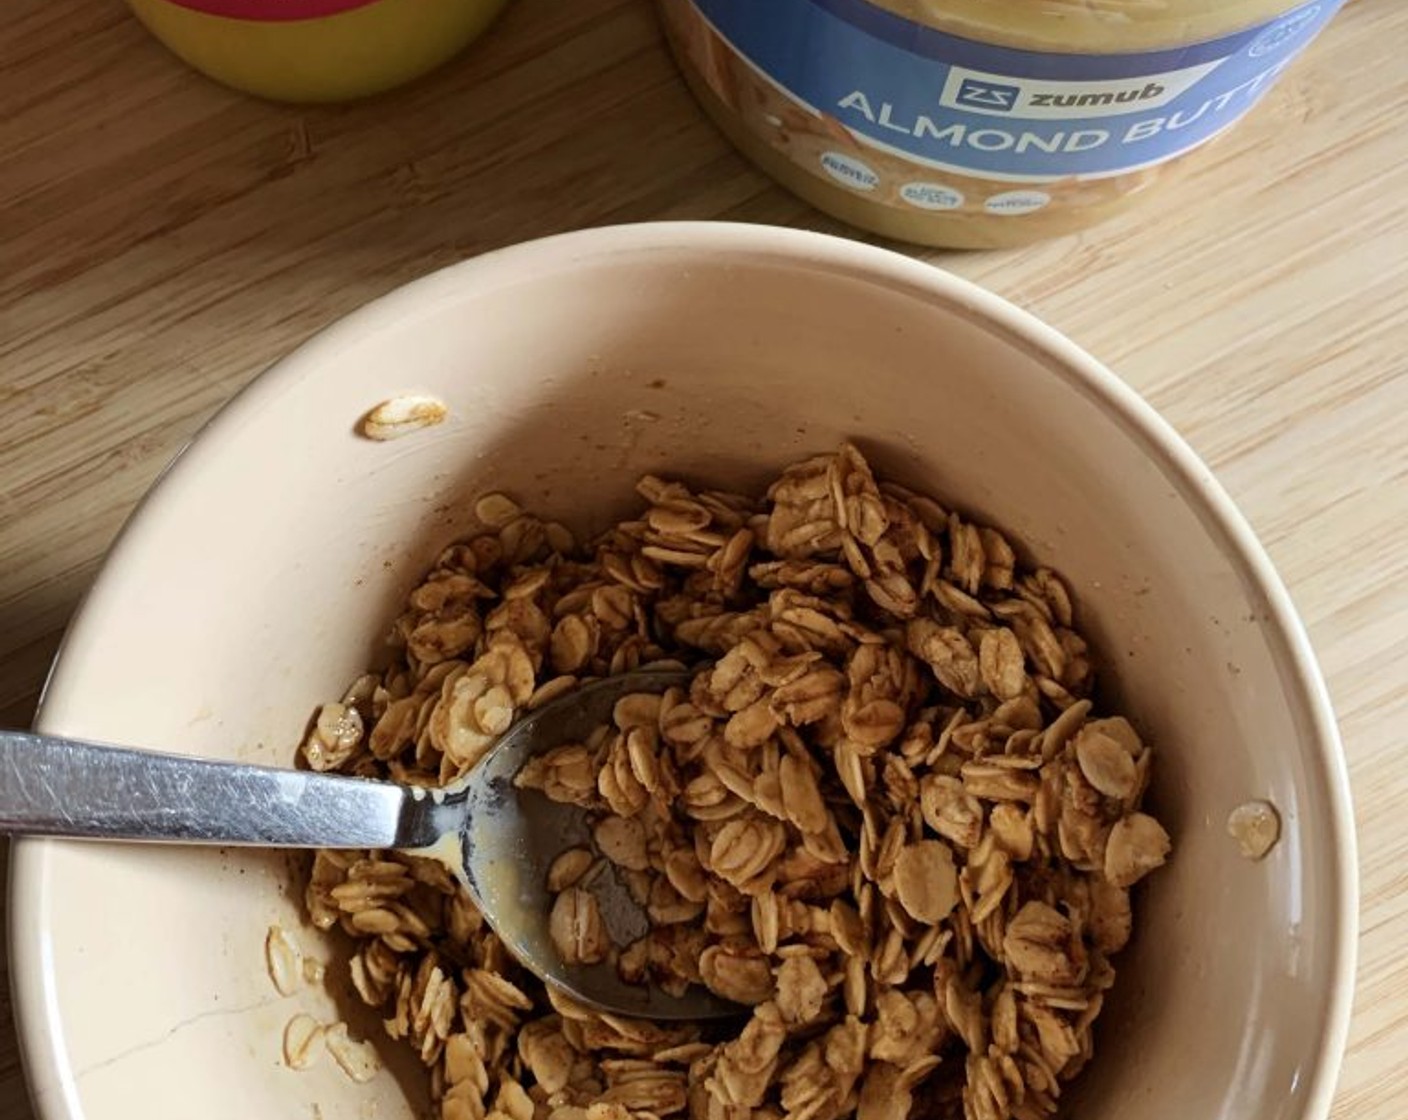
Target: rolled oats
x,y
577,930
926,881
401,416
303,1038
568,868
1106,763
1256,826
284,961
1137,845
358,1060
882,818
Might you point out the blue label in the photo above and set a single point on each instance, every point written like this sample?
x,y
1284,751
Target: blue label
x,y
956,104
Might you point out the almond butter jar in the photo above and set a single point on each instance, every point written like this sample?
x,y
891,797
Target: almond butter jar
x,y
980,123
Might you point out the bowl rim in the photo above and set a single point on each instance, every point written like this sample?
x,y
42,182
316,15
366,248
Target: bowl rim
x,y
36,1011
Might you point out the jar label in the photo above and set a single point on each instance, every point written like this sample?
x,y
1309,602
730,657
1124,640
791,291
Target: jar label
x,y
267,11
881,86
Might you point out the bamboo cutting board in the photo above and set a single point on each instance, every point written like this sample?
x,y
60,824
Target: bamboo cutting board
x,y
162,240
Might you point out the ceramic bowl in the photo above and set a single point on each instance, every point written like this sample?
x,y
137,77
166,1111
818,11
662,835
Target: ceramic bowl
x,y
262,572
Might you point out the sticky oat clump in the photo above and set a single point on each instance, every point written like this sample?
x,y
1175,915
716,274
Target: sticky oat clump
x,y
884,814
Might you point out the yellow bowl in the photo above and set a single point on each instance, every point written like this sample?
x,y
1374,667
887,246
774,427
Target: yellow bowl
x,y
360,51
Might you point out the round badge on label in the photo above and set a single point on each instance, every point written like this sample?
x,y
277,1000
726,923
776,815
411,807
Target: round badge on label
x,y
849,171
931,196
1282,33
1016,202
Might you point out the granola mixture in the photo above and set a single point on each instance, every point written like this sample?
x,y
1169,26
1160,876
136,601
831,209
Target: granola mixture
x,y
884,815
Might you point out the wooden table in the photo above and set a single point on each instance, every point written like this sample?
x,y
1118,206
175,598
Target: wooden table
x,y
162,240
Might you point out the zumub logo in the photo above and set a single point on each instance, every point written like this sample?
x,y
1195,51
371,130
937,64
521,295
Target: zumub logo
x,y
988,95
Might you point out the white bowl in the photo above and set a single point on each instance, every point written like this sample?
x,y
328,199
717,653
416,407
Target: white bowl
x,y
260,575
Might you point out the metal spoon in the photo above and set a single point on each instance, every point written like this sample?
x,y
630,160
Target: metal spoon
x,y
499,840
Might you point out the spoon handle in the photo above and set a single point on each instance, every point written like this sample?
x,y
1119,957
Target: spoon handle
x,y
53,786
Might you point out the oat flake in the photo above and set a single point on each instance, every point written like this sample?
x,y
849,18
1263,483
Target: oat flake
x,y
1256,826
400,416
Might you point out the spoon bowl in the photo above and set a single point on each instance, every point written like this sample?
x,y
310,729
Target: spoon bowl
x,y
510,838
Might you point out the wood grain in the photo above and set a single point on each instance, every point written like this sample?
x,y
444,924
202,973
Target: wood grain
x,y
162,240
